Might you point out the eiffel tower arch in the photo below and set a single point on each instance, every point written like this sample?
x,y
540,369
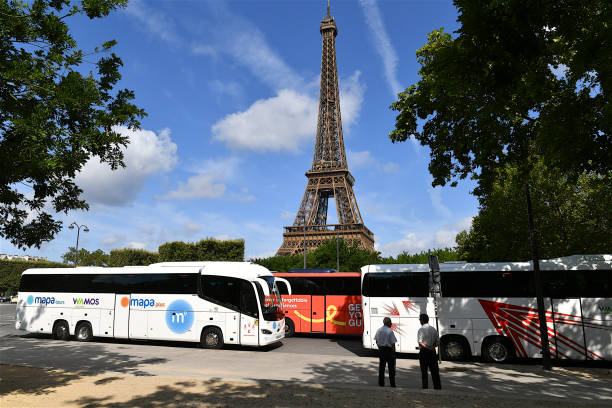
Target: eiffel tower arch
x,y
329,175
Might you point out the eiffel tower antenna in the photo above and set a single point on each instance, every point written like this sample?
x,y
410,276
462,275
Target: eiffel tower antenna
x,y
329,175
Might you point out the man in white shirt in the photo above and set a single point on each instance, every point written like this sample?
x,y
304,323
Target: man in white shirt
x,y
385,340
428,339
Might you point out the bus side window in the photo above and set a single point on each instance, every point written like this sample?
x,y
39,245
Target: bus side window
x,y
222,290
248,301
282,288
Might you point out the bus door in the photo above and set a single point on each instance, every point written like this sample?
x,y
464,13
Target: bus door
x,y
317,311
569,329
122,316
249,315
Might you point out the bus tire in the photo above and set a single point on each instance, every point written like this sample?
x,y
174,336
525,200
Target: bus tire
x,y
454,348
497,350
83,332
61,330
211,338
289,327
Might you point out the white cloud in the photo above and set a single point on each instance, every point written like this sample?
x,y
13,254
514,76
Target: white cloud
x,y
285,121
200,186
360,159
136,245
208,183
383,43
203,49
108,241
192,227
226,88
244,196
146,154
248,46
351,99
282,122
156,23
391,167
286,215
435,195
416,242
365,159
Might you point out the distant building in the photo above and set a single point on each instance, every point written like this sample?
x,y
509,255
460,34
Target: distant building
x,y
23,258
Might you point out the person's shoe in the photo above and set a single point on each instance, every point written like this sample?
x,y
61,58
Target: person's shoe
x,y
393,385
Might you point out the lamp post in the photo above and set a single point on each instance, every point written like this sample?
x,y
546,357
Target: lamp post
x,y
78,227
337,252
304,240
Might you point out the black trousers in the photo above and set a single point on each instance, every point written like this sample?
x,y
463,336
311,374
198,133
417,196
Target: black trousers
x,y
386,357
429,360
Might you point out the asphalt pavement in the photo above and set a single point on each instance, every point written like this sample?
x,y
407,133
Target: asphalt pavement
x,y
337,362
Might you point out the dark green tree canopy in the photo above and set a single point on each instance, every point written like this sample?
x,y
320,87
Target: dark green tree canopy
x,y
520,79
571,217
53,118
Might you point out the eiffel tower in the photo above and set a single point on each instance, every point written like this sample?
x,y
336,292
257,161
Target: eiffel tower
x,y
329,175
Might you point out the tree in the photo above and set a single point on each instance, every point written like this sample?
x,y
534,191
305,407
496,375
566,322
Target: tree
x,y
520,79
571,217
53,117
86,258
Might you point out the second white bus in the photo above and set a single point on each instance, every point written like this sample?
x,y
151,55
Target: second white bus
x,y
214,303
490,309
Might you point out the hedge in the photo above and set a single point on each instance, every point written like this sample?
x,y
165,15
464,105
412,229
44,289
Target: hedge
x,y
131,257
205,250
10,272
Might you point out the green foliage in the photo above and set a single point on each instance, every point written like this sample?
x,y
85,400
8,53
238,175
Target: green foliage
x,y
351,258
86,258
488,96
444,255
571,217
131,257
54,117
205,250
177,251
10,272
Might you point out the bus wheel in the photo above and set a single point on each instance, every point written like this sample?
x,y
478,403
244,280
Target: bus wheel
x,y
60,331
454,349
289,327
83,332
497,350
211,338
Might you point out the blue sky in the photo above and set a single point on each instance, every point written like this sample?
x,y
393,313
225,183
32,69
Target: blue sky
x,y
231,92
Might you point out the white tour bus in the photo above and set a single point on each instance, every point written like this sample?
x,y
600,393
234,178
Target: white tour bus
x,y
214,303
490,309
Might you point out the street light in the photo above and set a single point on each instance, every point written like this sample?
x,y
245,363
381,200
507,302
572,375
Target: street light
x,y
337,253
304,216
78,227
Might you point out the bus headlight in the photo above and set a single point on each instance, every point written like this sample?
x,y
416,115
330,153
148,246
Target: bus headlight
x,y
266,331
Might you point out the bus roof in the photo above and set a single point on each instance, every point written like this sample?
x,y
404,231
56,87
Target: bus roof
x,y
246,270
573,262
317,274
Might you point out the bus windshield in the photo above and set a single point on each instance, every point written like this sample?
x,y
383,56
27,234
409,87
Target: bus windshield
x,y
271,306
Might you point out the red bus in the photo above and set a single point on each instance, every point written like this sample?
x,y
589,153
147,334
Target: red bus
x,y
322,301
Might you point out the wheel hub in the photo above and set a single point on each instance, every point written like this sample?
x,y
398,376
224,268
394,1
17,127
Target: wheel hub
x,y
454,349
212,339
498,352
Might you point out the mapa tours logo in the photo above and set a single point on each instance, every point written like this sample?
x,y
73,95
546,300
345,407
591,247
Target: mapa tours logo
x,y
179,316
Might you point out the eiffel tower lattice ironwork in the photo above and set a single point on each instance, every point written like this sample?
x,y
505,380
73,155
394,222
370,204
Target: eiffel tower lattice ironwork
x,y
329,175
